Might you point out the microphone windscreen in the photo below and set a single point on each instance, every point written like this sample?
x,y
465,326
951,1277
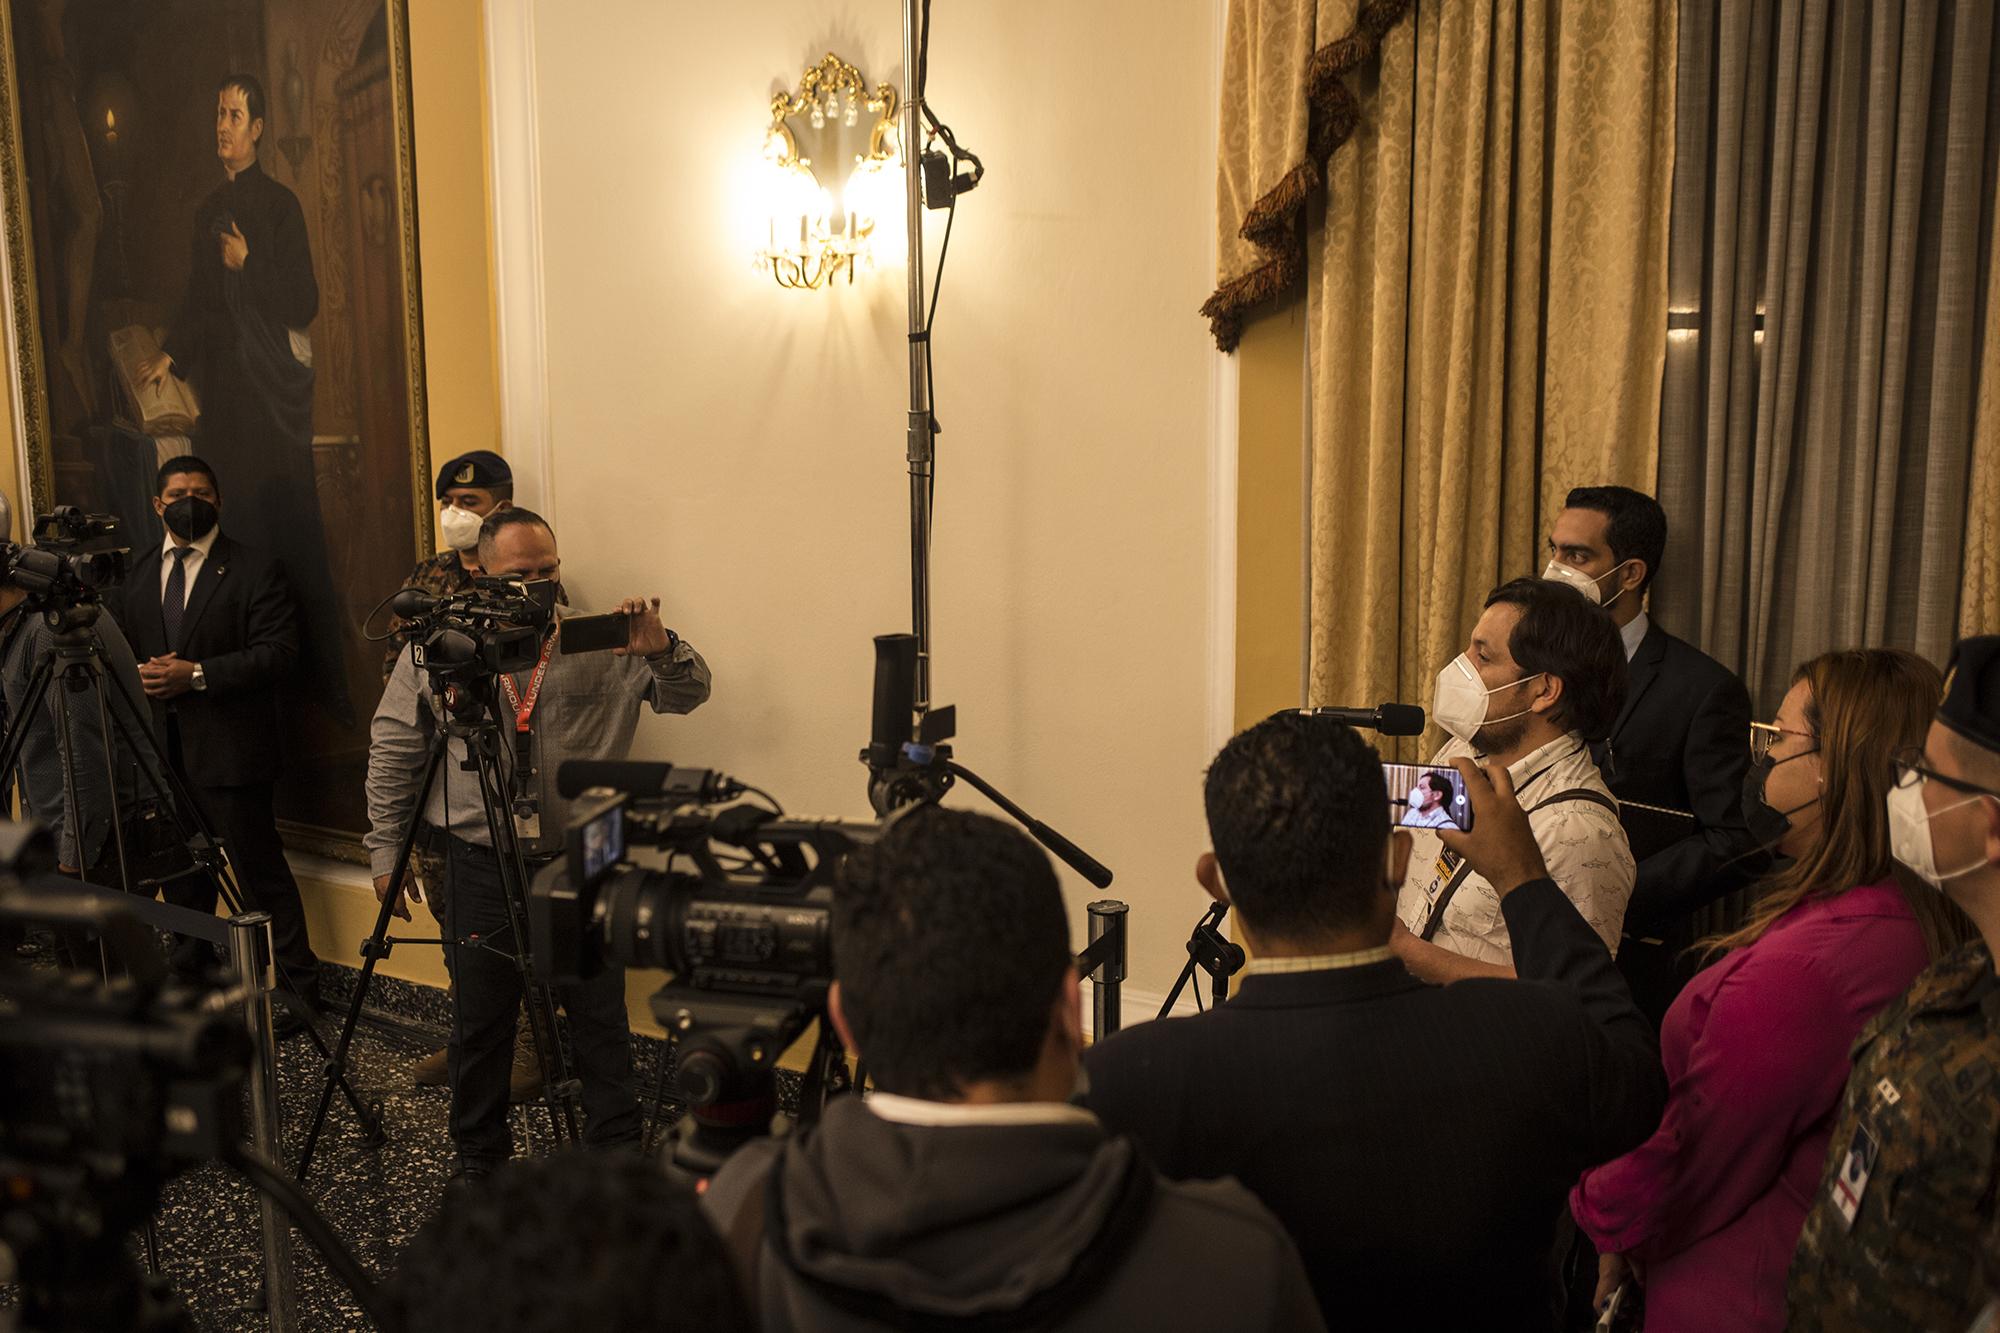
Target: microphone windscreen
x,y
1400,720
640,777
411,603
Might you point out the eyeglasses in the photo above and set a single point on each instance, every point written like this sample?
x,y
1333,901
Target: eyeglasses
x,y
1763,735
1912,770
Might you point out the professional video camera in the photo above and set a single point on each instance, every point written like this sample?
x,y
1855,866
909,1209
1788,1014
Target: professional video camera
x,y
74,559
114,1087
740,914
494,628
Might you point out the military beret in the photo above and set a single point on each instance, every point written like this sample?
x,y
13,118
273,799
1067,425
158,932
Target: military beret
x,y
481,467
1972,691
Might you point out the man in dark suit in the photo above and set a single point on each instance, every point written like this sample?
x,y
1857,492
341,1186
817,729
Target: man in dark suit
x,y
1417,1141
215,628
1677,752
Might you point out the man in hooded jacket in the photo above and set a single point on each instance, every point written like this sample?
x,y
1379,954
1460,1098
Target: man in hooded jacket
x,y
966,1188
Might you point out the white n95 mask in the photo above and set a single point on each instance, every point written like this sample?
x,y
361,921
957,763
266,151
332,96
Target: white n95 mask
x,y
460,528
1593,588
1910,833
1459,702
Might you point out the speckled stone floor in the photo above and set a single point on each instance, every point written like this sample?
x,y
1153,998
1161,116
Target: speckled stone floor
x,y
210,1247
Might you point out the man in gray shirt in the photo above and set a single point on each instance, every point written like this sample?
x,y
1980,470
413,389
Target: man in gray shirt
x,y
584,706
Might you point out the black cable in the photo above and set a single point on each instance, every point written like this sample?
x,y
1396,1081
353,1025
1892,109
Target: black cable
x,y
776,808
923,48
288,1196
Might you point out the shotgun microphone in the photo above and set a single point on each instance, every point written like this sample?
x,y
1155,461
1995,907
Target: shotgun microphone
x,y
1389,719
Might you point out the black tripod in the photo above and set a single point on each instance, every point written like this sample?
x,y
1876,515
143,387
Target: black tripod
x,y
1214,953
469,714
78,662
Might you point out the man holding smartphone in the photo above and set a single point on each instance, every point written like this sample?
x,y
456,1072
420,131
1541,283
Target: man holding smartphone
x,y
568,706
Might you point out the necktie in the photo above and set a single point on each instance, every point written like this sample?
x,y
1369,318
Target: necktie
x,y
173,603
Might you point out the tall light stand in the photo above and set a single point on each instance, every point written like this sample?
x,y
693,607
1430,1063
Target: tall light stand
x,y
921,443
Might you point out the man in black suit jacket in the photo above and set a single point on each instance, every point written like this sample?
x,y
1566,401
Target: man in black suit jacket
x,y
1417,1141
1681,744
215,628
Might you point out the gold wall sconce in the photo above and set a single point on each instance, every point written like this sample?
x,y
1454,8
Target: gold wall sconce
x,y
813,235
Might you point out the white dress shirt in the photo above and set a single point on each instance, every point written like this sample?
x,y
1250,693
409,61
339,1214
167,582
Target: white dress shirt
x,y
1634,632
951,1115
191,562
1582,842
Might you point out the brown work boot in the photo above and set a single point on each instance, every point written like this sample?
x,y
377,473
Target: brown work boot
x,y
433,1071
525,1083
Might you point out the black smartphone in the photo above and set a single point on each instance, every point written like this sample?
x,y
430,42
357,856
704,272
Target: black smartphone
x,y
1427,796
594,634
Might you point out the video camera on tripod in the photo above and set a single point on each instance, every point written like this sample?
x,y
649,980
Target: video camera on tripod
x,y
494,628
75,557
741,915
115,1087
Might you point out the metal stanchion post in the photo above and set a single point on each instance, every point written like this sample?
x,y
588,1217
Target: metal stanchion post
x,y
1107,917
250,950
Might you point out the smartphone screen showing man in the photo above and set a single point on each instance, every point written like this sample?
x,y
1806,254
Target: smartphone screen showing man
x,y
1426,796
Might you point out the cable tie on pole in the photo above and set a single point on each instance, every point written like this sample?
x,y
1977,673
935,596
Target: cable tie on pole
x,y
920,336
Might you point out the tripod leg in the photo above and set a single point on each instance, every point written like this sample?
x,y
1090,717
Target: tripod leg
x,y
373,949
542,1031
163,786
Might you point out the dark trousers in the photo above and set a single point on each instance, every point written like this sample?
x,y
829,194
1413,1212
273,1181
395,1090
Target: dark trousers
x,y
489,1003
243,818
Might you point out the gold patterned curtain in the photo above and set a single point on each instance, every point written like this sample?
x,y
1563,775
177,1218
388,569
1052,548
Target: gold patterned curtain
x,y
1487,313
1979,599
1285,107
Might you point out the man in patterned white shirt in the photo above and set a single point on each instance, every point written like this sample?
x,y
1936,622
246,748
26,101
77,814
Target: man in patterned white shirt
x,y
1543,676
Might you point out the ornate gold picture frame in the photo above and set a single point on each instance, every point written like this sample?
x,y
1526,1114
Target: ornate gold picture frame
x,y
112,158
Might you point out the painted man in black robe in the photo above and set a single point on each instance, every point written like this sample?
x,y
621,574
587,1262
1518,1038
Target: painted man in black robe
x,y
240,339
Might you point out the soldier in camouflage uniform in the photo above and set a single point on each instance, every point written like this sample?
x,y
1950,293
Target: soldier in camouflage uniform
x,y
469,488
1906,1202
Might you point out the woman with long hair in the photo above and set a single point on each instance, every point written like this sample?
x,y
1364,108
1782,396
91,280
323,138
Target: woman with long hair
x,y
1707,1212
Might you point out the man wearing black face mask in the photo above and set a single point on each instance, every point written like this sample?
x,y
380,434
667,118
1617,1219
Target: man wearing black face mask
x,y
214,625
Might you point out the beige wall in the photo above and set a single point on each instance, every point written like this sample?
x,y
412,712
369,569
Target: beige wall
x,y
739,449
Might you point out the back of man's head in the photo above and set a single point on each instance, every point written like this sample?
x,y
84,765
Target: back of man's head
x,y
1298,815
950,943
575,1241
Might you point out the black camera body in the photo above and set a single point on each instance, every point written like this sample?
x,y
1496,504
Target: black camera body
x,y
495,628
113,1089
741,916
74,559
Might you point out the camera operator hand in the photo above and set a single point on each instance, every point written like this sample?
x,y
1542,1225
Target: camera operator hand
x,y
1501,846
404,896
649,636
166,677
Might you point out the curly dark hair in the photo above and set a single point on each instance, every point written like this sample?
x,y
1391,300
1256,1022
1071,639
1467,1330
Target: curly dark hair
x,y
1299,816
579,1240
950,943
1568,636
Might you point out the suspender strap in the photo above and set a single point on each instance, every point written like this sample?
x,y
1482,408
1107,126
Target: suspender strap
x,y
1436,918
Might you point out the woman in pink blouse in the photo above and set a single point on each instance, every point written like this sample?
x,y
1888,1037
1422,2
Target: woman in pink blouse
x,y
1707,1212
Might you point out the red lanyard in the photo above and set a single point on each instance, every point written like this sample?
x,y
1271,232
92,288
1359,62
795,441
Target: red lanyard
x,y
524,708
